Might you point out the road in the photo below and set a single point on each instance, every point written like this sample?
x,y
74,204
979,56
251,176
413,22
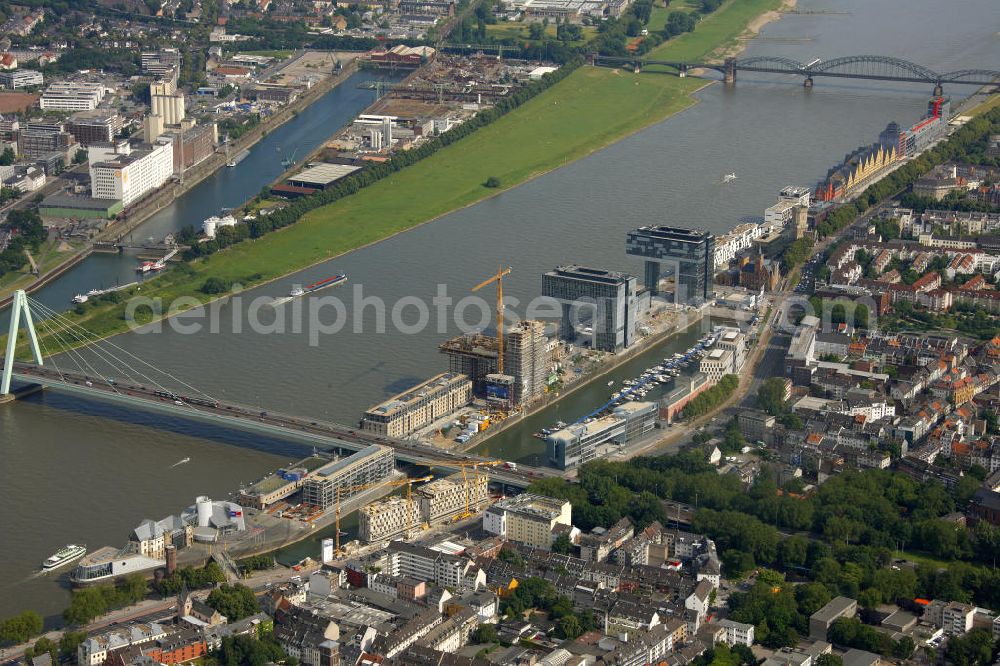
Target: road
x,y
319,432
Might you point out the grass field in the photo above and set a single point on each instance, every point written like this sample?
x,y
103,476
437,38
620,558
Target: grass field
x,y
515,30
983,107
590,109
48,257
278,55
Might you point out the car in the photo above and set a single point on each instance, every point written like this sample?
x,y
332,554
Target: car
x,y
178,402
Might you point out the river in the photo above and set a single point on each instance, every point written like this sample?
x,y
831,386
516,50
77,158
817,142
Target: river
x,y
767,129
226,188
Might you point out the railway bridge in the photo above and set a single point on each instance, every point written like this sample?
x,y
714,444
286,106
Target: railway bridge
x,y
864,67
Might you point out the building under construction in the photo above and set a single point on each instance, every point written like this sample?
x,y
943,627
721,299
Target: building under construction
x,y
443,499
387,519
526,361
473,355
370,465
435,503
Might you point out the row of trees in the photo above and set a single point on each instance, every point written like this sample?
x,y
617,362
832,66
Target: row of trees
x,y
843,536
91,602
710,399
21,627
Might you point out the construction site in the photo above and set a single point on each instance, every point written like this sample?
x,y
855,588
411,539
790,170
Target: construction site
x,y
437,503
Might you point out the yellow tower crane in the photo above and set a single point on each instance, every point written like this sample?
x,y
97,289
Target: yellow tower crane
x,y
498,278
369,486
475,465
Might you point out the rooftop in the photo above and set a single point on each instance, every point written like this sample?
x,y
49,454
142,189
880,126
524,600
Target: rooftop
x,y
338,466
437,383
673,233
323,174
574,271
532,505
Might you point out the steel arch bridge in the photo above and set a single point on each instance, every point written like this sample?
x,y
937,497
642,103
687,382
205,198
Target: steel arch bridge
x,y
871,67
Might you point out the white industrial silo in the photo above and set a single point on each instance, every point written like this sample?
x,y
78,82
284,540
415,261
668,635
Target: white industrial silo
x,y
204,507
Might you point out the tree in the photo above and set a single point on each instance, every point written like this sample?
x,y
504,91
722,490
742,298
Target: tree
x,y
536,31
248,651
829,659
492,182
214,285
562,545
80,156
771,396
568,627
973,649
69,643
485,633
7,157
21,627
235,601
42,646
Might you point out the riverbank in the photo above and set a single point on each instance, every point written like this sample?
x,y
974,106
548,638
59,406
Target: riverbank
x,y
589,110
608,366
193,177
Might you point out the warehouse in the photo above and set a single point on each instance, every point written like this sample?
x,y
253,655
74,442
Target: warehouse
x,y
322,176
66,206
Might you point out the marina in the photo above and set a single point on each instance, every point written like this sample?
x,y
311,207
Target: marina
x,y
654,377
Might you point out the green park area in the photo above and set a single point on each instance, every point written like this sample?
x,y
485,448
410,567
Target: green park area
x,y
588,110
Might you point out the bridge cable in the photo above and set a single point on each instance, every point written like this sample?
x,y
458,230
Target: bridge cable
x,y
59,340
68,347
71,351
52,358
106,357
99,341
85,362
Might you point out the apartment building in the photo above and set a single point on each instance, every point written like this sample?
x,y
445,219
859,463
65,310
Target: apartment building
x,y
527,519
526,359
442,499
426,564
386,519
367,466
407,412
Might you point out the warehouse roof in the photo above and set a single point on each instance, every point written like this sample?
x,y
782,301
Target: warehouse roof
x,y
323,174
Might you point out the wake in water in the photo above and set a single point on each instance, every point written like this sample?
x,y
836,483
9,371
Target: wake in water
x,y
180,462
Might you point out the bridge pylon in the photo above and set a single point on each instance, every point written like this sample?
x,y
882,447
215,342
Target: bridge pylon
x,y
808,83
19,308
938,89
729,73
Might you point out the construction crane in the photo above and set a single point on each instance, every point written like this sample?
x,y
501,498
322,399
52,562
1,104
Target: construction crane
x,y
498,278
369,486
475,465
